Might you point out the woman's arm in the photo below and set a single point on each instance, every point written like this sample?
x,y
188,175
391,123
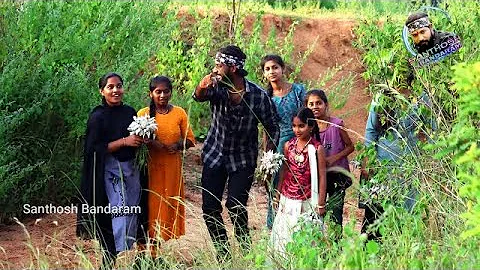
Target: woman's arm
x,y
281,176
132,140
322,180
283,169
346,150
270,120
180,145
188,139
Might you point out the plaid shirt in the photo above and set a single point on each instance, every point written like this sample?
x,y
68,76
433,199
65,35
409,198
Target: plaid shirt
x,y
232,138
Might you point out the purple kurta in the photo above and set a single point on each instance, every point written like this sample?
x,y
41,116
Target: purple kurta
x,y
333,143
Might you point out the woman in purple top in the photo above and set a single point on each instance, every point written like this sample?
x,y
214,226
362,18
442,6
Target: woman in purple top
x,y
338,146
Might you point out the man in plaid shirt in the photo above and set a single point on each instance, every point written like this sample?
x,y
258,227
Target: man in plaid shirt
x,y
231,147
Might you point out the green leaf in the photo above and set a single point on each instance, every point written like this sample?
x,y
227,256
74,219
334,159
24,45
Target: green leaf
x,y
372,247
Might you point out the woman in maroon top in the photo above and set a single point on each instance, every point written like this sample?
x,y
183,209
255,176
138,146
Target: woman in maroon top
x,y
295,183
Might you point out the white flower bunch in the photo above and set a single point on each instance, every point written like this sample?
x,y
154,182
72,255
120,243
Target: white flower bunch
x,y
379,190
143,126
270,163
376,191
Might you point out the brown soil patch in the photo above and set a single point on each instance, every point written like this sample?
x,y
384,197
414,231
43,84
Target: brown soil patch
x,y
52,238
332,47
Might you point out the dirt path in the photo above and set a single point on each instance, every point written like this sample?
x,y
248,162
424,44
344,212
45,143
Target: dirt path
x,y
52,237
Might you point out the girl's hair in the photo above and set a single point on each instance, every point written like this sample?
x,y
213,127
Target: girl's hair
x,y
102,82
275,58
306,116
316,92
154,82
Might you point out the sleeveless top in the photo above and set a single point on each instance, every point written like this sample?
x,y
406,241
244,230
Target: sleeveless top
x,y
296,184
333,143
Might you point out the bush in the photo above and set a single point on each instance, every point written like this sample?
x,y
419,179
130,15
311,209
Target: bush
x,y
52,55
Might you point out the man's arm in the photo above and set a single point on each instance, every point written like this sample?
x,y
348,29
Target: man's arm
x,y
204,89
269,119
371,131
371,135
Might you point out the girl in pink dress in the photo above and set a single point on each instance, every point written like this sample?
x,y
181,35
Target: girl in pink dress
x,y
294,190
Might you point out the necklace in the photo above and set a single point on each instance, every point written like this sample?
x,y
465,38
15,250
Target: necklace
x,y
166,111
235,91
299,158
284,91
235,100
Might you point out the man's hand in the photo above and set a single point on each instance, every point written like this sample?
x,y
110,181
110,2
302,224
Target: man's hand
x,y
209,80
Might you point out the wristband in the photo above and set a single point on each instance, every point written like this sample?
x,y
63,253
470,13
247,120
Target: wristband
x,y
321,206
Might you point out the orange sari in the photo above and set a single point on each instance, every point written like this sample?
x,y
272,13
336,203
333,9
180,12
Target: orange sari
x,y
166,197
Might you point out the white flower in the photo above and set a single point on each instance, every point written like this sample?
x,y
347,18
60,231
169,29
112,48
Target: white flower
x,y
271,162
143,126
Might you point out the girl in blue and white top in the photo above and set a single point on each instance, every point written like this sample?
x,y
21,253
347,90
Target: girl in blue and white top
x,y
288,98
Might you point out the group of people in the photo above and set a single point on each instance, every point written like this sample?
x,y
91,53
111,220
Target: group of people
x,y
111,177
293,121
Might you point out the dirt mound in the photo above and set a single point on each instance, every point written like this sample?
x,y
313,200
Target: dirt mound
x,y
53,237
332,47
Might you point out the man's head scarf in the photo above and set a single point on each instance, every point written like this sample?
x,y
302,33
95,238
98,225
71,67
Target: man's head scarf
x,y
418,23
229,60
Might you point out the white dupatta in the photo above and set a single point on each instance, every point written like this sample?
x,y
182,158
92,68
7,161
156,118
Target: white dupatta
x,y
312,157
312,215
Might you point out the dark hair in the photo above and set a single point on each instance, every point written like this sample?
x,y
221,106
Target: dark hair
x,y
415,16
154,82
316,92
102,82
306,116
275,58
234,50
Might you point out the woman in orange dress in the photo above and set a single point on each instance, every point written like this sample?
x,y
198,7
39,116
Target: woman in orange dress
x,y
166,210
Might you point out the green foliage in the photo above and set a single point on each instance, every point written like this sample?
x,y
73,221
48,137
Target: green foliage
x,y
445,185
53,54
463,142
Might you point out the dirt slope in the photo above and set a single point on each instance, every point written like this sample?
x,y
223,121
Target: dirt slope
x,y
332,39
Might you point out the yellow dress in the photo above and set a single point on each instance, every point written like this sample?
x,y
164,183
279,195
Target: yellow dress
x,y
166,197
